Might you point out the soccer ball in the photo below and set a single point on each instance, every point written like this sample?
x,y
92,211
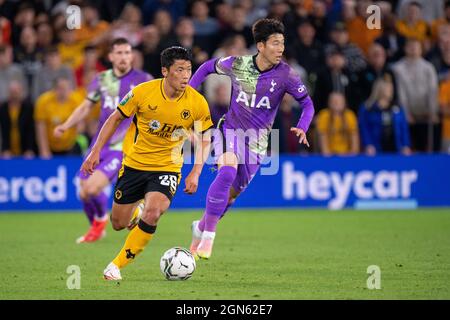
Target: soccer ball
x,y
177,264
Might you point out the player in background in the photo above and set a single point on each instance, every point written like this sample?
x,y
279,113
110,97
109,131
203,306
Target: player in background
x,y
164,111
259,83
109,87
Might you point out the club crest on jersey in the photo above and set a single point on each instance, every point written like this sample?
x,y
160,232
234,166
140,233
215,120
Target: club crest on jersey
x,y
154,125
250,101
185,114
273,84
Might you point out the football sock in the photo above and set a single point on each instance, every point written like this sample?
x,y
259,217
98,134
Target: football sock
x,y
90,209
100,202
136,241
217,198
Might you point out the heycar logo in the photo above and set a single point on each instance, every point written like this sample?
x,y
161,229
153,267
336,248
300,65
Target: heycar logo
x,y
35,189
336,187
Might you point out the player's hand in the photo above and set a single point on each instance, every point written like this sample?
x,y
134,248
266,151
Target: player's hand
x,y
59,131
90,163
300,133
191,182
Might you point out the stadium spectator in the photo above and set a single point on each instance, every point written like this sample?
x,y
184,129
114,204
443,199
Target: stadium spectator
x,y
339,38
90,62
24,18
417,86
337,128
165,25
9,71
355,18
256,9
298,11
52,69
53,108
223,15
444,102
438,23
382,123
175,9
204,25
17,124
413,26
319,19
93,29
376,68
70,50
5,31
28,56
129,25
439,56
307,50
239,26
150,47
391,40
185,38
45,36
334,78
277,10
431,9
206,28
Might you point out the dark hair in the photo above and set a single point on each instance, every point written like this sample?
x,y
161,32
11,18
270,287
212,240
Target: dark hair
x,y
264,28
169,55
118,42
415,3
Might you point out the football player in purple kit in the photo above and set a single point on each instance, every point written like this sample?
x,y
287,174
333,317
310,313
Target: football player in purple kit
x,y
109,87
259,83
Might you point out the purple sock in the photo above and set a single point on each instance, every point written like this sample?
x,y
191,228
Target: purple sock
x,y
100,202
217,198
89,209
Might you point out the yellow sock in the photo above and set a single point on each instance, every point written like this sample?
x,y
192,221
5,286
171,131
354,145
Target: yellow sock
x,y
134,244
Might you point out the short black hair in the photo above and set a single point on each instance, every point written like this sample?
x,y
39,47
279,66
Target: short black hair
x,y
264,28
415,3
118,42
169,55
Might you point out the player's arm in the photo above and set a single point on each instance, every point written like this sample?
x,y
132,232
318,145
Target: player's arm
x,y
42,140
219,66
297,89
80,113
202,144
106,132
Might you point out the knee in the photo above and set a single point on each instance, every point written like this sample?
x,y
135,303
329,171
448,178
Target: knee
x,y
227,174
151,215
118,224
91,190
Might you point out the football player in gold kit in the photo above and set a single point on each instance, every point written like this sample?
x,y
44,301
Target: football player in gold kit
x,y
164,111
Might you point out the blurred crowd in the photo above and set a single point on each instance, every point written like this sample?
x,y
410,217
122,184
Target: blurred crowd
x,y
375,90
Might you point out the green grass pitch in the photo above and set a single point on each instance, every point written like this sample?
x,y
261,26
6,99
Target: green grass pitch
x,y
258,254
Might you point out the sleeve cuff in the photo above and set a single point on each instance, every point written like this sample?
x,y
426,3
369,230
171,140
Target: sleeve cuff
x,y
123,114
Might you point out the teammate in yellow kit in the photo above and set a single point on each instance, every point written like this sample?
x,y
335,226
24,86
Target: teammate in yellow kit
x,y
164,111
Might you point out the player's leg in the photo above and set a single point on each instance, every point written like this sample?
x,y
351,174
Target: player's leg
x,y
159,189
216,203
95,203
156,204
198,226
120,217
